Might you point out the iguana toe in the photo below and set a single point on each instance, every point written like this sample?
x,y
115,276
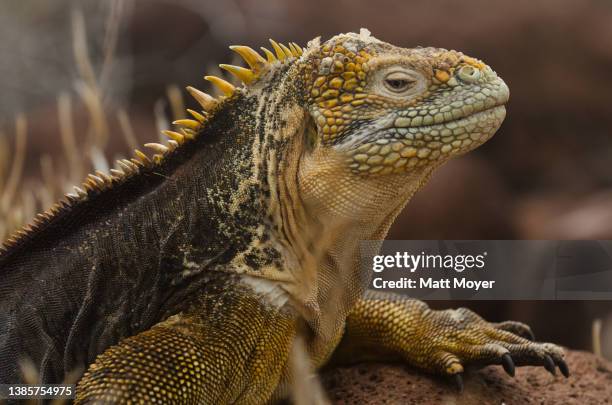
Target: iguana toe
x,y
518,328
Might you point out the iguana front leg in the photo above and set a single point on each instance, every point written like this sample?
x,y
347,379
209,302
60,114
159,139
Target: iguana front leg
x,y
231,348
385,326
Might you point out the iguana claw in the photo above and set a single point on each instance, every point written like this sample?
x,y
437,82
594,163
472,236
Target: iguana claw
x,y
563,367
459,381
508,364
549,365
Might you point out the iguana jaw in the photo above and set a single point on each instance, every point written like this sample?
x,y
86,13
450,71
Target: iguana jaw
x,y
400,149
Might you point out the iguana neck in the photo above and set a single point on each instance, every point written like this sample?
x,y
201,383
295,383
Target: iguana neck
x,y
322,232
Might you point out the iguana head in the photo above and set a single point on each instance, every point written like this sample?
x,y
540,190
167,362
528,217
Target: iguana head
x,y
385,116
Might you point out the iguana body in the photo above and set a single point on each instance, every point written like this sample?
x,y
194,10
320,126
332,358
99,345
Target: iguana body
x,y
188,279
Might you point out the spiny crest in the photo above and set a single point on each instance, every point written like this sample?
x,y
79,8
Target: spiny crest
x,y
93,183
187,130
258,66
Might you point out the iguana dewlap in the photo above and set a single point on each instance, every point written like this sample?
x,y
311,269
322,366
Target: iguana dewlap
x,y
186,277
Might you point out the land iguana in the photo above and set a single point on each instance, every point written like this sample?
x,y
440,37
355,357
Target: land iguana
x,y
186,277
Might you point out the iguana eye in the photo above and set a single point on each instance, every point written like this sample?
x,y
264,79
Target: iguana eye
x,y
398,82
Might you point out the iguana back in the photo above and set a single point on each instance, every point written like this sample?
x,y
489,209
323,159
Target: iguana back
x,y
111,265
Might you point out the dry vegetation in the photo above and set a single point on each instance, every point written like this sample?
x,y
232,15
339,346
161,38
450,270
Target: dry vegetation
x,y
23,196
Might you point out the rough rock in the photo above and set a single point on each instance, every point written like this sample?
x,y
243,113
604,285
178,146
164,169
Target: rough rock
x,y
590,383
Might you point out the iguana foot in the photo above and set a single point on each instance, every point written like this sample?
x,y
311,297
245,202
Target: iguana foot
x,y
385,326
458,338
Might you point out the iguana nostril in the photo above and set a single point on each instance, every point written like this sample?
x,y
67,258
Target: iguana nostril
x,y
468,74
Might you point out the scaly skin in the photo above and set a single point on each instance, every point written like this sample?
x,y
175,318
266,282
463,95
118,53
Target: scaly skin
x,y
191,276
226,348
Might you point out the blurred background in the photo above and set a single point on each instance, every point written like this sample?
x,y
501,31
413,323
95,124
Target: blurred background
x,y
83,82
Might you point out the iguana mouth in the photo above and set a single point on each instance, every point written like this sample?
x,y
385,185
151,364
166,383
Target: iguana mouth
x,y
477,127
479,113
403,148
477,100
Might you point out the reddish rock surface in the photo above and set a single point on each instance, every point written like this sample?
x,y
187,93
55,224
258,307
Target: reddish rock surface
x,y
590,383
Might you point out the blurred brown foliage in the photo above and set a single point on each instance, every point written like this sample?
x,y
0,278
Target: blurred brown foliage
x,y
545,175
